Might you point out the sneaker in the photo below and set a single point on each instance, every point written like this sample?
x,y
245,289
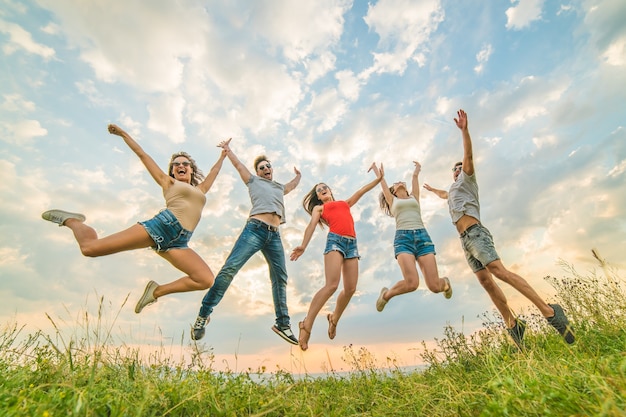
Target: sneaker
x,y
381,302
517,332
447,293
147,298
286,334
560,322
60,216
198,329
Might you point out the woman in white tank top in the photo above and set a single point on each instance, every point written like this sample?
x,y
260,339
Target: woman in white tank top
x,y
412,244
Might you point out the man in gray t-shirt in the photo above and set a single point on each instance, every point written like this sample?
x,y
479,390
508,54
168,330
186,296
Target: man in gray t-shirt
x,y
480,250
259,234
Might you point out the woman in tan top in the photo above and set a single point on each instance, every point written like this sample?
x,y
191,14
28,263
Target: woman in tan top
x,y
184,188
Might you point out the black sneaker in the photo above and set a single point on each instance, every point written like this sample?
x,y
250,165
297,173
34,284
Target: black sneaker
x,y
286,334
560,322
517,332
198,329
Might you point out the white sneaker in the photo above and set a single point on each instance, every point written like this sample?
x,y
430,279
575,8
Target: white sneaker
x,y
448,292
381,302
60,216
147,298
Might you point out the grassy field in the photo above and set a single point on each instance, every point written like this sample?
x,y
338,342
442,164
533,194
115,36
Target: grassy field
x,y
480,375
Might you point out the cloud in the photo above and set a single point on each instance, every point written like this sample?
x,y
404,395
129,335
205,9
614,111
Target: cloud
x,y
22,132
21,40
523,13
482,57
404,28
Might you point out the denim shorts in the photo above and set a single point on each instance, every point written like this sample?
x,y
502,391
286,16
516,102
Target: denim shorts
x,y
479,248
416,242
166,231
343,244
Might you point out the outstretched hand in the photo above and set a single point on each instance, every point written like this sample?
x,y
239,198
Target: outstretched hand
x,y
295,170
428,187
116,130
379,172
296,253
461,122
225,144
418,167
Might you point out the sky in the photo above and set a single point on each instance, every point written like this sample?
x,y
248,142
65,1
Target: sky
x,y
327,87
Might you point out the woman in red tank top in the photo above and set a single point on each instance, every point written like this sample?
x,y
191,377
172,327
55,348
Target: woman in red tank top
x,y
340,256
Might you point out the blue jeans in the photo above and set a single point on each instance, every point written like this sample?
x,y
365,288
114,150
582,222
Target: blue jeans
x,y
479,248
254,237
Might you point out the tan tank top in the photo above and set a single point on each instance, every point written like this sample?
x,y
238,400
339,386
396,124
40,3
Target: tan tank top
x,y
186,203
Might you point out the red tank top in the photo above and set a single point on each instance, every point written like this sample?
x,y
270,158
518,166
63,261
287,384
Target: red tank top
x,y
337,215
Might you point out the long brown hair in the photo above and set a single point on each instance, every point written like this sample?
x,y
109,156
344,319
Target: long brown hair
x,y
197,176
384,205
311,200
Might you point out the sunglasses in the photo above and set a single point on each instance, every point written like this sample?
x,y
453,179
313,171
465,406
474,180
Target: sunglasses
x,y
177,164
457,168
262,167
321,188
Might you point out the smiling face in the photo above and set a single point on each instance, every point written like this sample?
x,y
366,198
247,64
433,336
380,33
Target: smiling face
x,y
399,187
456,171
323,192
181,169
264,169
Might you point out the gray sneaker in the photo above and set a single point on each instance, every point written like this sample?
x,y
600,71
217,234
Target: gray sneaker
x,y
147,298
560,322
381,302
60,216
198,329
517,332
286,334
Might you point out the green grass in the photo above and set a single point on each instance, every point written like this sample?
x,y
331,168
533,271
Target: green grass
x,y
480,375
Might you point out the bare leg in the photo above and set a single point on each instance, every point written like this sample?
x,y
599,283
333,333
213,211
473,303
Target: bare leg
x,y
499,271
135,237
350,278
199,275
406,261
497,296
332,270
428,265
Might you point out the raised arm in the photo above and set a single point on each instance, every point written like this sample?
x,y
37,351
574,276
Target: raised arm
x,y
244,173
289,187
383,183
440,193
415,184
468,157
308,233
367,187
205,185
155,171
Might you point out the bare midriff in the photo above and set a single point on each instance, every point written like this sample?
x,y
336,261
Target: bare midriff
x,y
464,222
272,219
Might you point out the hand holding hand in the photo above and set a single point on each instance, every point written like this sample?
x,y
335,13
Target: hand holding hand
x,y
225,144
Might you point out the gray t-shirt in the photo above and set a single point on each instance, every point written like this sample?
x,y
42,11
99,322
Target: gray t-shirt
x,y
463,197
266,197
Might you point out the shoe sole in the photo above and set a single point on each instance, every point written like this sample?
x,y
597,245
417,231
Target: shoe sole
x,y
141,304
283,336
381,302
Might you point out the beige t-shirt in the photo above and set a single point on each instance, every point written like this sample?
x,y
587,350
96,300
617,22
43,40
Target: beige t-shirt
x,y
186,203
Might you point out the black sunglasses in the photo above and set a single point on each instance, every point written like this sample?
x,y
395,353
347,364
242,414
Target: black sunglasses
x,y
262,167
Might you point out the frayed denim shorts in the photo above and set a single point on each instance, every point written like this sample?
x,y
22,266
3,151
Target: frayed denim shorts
x,y
345,245
166,231
415,242
479,248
